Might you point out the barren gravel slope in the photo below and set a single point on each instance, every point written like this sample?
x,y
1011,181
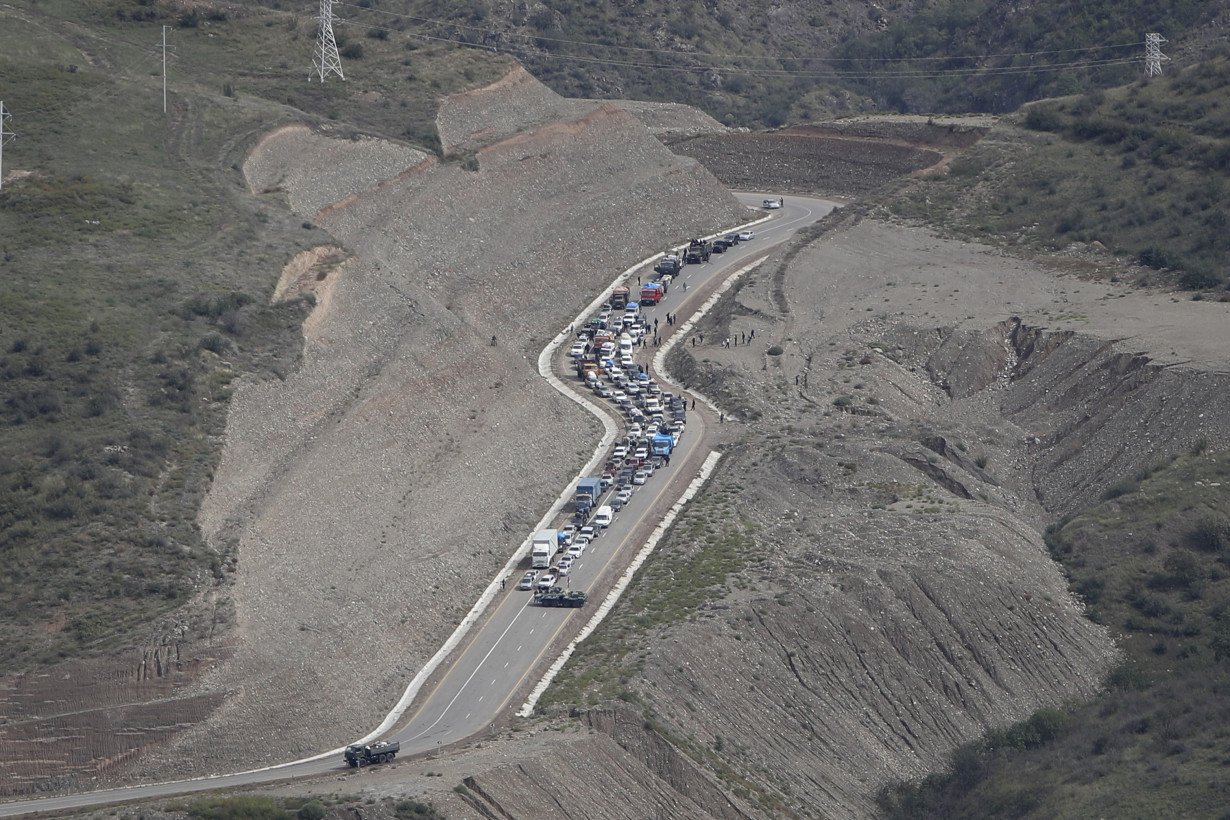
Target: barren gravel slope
x,y
951,402
936,405
376,490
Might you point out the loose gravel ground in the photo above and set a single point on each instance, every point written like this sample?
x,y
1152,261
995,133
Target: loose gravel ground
x,y
376,490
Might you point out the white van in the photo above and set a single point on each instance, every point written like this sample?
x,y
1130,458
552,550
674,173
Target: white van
x,y
604,516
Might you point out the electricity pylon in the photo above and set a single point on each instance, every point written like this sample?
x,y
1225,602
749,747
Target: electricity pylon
x,y
327,60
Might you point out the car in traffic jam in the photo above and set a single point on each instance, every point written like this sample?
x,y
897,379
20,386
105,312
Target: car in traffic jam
x,y
603,356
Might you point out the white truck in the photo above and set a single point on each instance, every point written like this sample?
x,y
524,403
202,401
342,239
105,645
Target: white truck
x,y
542,548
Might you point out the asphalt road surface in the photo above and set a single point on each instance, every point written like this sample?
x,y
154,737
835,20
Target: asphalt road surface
x,y
506,654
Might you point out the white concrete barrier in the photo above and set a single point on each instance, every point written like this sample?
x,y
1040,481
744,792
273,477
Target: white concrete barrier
x,y
706,469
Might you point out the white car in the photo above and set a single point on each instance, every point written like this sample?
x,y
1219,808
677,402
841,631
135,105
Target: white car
x,y
565,567
624,494
771,204
744,236
620,452
588,532
640,477
577,351
545,582
641,453
577,550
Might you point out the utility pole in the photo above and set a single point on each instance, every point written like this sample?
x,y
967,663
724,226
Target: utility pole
x,y
164,68
6,135
327,60
1153,55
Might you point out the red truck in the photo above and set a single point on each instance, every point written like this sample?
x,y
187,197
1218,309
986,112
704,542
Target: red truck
x,y
652,293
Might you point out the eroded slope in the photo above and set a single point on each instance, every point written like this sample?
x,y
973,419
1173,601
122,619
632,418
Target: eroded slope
x,y
868,566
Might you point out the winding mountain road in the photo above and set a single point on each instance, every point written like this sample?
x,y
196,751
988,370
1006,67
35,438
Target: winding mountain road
x,y
504,655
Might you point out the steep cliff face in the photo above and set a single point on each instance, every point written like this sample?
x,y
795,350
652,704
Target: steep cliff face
x,y
351,487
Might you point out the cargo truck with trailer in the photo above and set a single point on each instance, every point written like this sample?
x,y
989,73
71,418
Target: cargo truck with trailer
x,y
543,548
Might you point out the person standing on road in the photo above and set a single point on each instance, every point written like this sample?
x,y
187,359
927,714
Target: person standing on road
x,y
655,323
722,417
501,584
693,341
693,404
685,287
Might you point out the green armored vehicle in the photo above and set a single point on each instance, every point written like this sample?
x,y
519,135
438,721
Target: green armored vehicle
x,y
360,754
557,597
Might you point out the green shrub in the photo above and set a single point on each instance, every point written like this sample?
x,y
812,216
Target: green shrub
x,y
1209,535
1120,488
238,808
775,350
414,810
311,810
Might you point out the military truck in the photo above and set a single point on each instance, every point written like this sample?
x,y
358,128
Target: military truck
x,y
698,251
670,264
361,754
558,597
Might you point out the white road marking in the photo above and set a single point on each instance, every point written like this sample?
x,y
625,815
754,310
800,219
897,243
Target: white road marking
x,y
520,612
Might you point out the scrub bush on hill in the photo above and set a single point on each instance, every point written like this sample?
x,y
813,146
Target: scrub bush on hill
x,y
1153,565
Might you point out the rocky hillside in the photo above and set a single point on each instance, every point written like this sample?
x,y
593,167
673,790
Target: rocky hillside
x,y
418,388
792,61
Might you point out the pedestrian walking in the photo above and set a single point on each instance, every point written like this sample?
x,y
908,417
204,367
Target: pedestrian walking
x,y
702,338
638,280
751,335
655,323
685,287
796,379
693,341
744,334
668,460
501,584
693,404
722,418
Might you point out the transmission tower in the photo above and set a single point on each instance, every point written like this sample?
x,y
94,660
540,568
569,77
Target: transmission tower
x,y
1153,55
327,60
6,135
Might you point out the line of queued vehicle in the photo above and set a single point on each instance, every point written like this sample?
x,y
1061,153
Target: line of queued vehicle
x,y
604,358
